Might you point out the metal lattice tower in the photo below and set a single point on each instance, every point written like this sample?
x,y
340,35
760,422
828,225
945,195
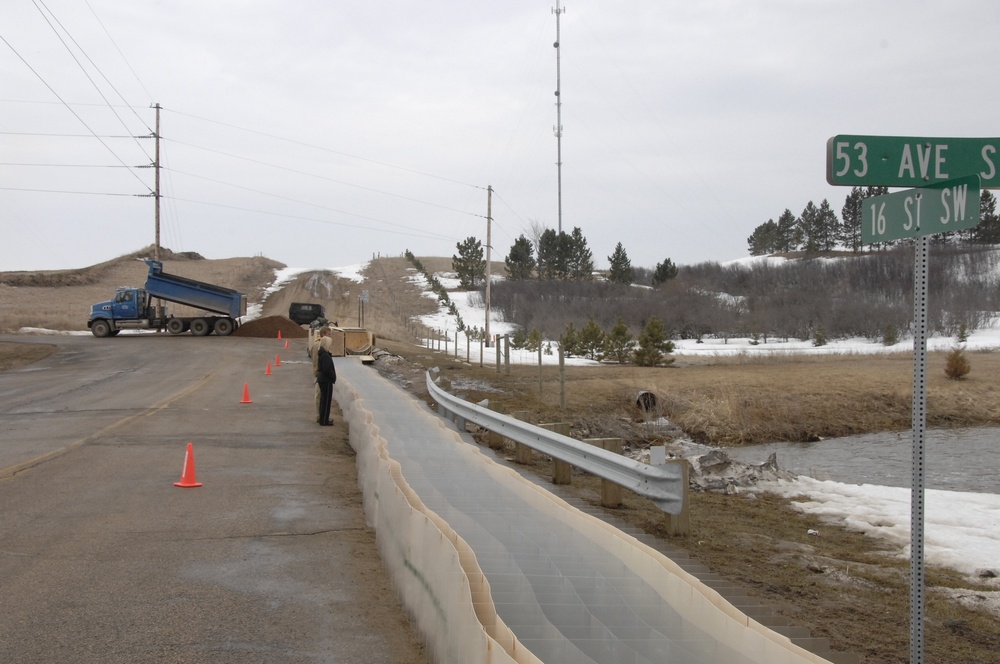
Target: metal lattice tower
x,y
558,128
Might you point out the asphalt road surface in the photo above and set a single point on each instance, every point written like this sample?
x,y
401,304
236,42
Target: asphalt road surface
x,y
103,559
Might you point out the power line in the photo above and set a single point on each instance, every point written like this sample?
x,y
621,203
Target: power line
x,y
433,236
320,177
124,59
63,191
70,165
331,151
38,133
75,114
38,5
293,200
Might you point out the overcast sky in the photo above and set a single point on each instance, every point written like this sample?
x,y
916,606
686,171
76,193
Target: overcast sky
x,y
320,133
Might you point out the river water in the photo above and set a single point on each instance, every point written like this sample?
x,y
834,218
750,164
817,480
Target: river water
x,y
954,459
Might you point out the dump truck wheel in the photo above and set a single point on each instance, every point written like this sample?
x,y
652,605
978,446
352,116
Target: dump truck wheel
x,y
200,327
175,326
101,328
224,327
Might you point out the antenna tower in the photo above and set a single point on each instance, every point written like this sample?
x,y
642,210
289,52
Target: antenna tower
x,y
558,128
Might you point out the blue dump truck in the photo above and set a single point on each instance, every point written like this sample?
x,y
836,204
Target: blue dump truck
x,y
133,308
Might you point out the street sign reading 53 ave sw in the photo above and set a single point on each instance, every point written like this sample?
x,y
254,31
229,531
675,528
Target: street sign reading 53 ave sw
x,y
936,208
907,161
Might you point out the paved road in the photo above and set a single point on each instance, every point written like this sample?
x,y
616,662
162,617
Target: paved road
x,y
103,559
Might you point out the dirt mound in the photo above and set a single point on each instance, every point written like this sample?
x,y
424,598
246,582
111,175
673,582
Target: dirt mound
x,y
269,327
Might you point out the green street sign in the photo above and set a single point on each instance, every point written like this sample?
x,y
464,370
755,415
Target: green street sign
x,y
907,161
937,208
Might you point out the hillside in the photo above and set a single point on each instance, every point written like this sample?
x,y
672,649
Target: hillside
x,y
61,299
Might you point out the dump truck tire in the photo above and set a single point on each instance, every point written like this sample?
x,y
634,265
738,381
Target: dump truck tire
x,y
200,327
101,328
175,326
224,326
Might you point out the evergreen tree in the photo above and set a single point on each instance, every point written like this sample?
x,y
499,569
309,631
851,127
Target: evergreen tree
x,y
809,227
827,226
580,259
591,340
469,265
521,259
764,239
570,341
664,272
988,230
850,214
551,260
787,237
653,344
621,266
618,342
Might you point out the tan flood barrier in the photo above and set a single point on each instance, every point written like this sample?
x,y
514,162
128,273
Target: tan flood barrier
x,y
408,462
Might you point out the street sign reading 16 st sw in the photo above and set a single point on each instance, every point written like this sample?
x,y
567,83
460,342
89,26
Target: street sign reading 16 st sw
x,y
907,161
936,208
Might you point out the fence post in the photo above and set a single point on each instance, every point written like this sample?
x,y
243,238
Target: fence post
x,y
539,369
506,354
562,378
562,472
611,493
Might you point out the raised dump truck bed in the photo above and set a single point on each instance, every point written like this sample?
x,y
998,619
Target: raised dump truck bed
x,y
133,308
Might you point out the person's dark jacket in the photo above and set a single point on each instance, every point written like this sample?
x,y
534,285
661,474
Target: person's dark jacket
x,y
326,373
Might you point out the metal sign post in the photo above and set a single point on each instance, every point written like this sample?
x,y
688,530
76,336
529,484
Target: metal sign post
x,y
920,267
949,173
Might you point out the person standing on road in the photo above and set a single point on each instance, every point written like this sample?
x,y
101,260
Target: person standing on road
x,y
313,349
326,376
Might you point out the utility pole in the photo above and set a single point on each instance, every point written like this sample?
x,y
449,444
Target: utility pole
x,y
489,242
160,313
558,128
156,195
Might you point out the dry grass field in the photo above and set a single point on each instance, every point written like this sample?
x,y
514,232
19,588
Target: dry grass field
x,y
842,585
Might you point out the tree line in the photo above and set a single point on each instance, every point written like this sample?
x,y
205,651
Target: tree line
x,y
818,228
552,292
553,256
868,295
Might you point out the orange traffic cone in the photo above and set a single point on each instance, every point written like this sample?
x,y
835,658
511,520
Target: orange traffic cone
x,y
279,334
286,343
246,393
188,478
277,360
267,371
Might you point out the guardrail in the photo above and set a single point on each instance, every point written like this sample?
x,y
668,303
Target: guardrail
x,y
664,485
